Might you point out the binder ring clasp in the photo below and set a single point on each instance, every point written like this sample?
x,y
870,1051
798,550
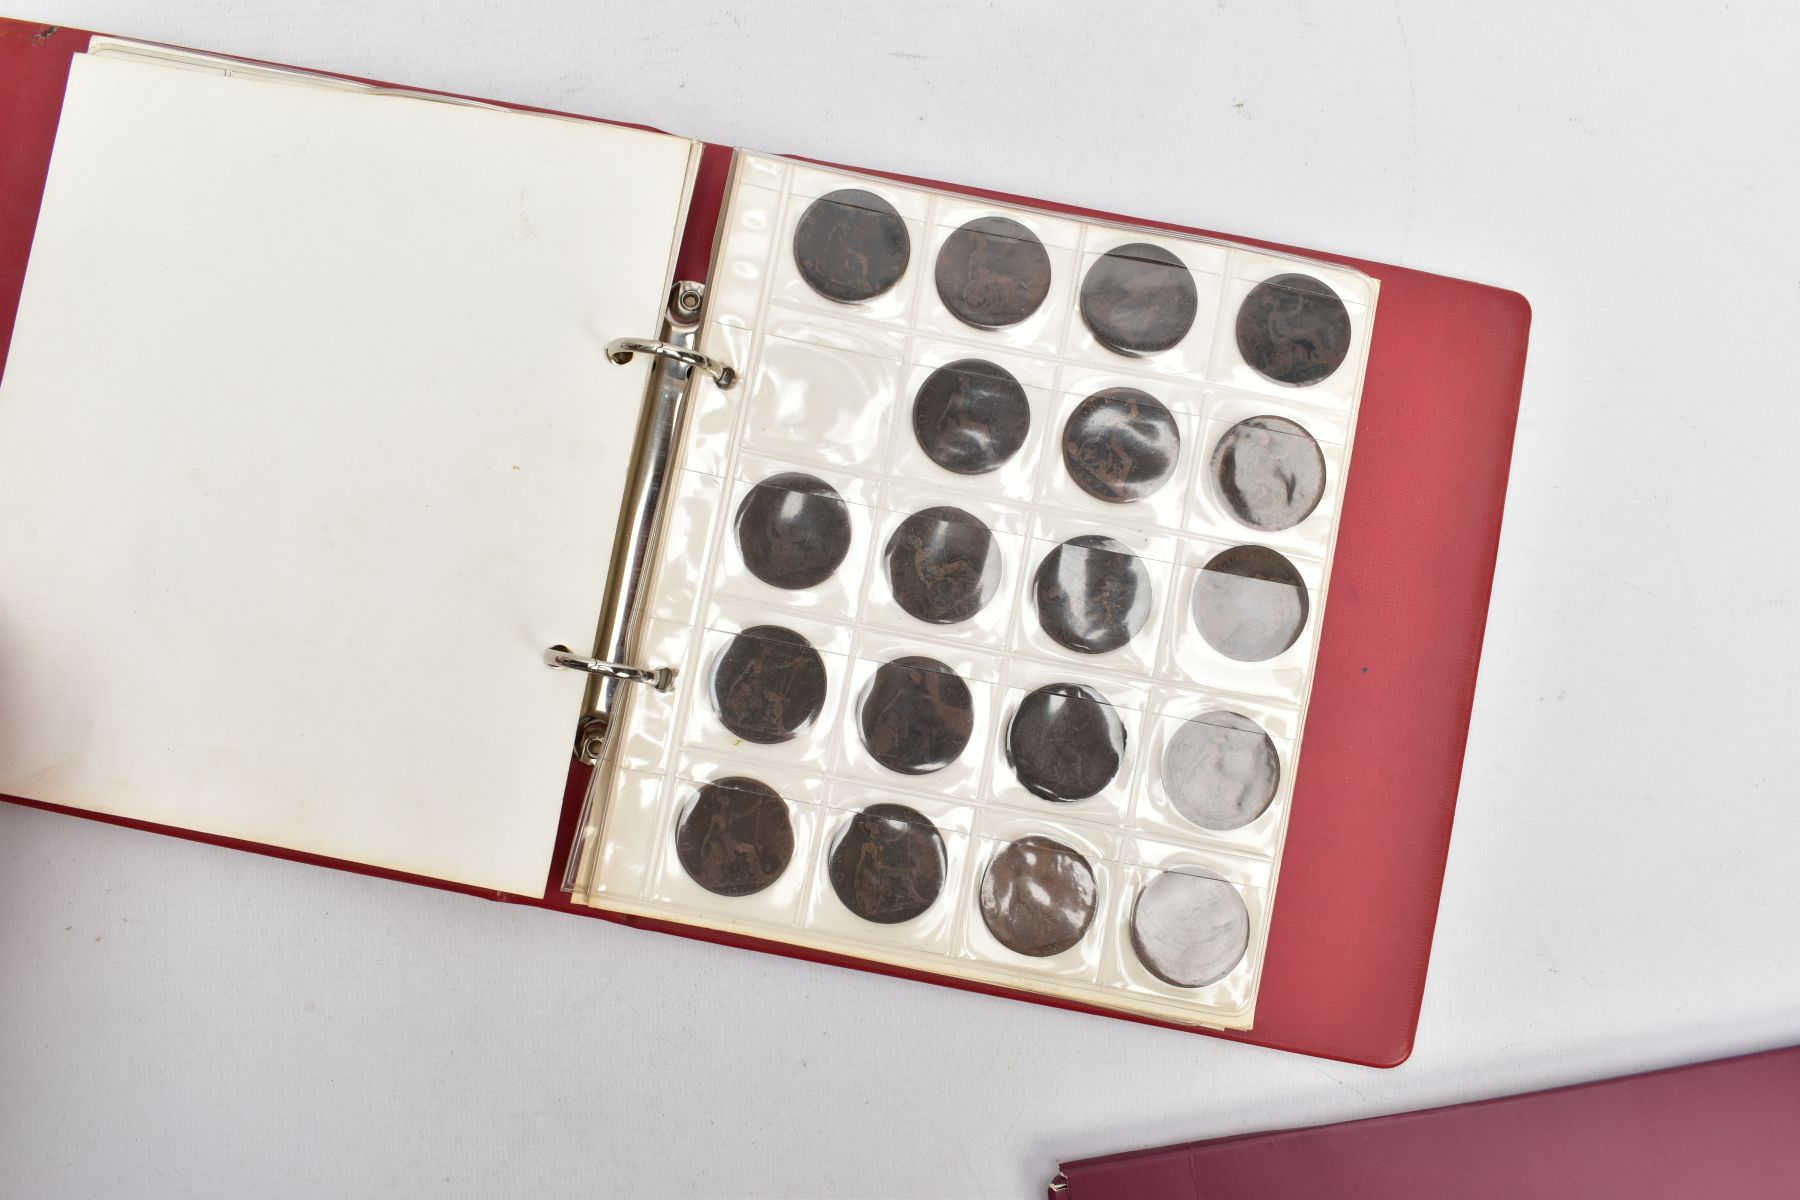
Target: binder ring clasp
x,y
564,659
620,350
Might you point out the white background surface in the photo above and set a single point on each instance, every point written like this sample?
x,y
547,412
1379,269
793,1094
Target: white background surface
x,y
177,1020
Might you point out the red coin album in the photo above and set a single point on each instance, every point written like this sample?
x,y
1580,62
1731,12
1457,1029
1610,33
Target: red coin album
x,y
875,571
1720,1128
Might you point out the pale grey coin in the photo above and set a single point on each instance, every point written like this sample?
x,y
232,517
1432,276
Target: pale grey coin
x,y
1249,603
1190,927
1269,472
1220,770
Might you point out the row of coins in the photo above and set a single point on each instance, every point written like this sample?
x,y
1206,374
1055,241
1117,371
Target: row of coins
x,y
887,865
1120,444
1092,595
851,245
1065,741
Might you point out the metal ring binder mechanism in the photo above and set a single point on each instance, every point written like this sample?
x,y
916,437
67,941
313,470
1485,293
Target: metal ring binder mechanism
x,y
620,350
563,658
612,664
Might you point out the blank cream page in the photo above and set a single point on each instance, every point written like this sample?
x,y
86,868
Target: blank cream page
x,y
308,448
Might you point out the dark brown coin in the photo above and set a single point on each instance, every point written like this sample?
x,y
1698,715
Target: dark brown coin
x,y
1093,595
1249,603
735,837
888,864
1065,742
769,684
1269,472
1037,897
993,272
793,530
916,716
1190,927
970,416
1221,770
943,565
851,245
1293,329
1121,445
1139,299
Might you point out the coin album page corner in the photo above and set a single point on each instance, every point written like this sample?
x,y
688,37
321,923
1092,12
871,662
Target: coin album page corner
x,y
993,590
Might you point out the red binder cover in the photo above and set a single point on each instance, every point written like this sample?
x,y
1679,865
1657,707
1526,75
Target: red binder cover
x,y
1713,1129
1376,787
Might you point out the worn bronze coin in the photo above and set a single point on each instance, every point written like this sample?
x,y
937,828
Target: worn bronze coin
x,y
1293,329
735,837
1139,299
1037,897
1190,927
1065,742
888,864
793,530
1121,445
1221,770
768,685
1269,472
916,715
971,416
1093,594
993,272
943,565
1249,603
851,245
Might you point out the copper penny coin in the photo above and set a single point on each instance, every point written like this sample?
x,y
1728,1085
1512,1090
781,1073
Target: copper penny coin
x,y
1269,472
943,565
1249,603
793,530
768,685
1221,770
1121,445
1139,299
851,245
1037,897
916,715
1093,594
888,864
1293,329
1065,742
971,416
1190,927
735,837
993,272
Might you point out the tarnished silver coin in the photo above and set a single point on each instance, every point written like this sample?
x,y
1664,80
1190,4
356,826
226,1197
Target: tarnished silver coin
x,y
1249,603
1269,472
1220,770
1189,927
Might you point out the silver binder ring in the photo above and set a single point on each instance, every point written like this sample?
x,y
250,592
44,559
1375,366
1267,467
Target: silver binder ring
x,y
564,659
620,350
